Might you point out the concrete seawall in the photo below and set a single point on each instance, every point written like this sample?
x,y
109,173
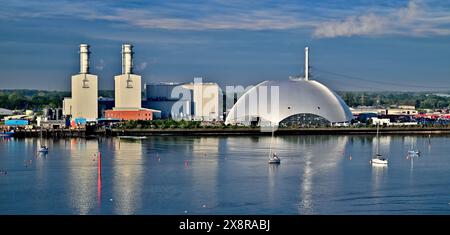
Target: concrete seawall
x,y
230,131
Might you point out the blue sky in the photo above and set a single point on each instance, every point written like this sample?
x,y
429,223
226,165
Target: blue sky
x,y
354,45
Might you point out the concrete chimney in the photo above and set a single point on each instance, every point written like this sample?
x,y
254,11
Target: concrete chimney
x,y
127,59
84,58
306,63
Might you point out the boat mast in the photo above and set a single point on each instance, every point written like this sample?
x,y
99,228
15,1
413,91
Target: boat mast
x,y
271,139
378,140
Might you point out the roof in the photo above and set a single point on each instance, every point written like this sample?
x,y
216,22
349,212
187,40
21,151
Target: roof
x,y
5,111
294,97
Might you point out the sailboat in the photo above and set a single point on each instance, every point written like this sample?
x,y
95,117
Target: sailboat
x,y
43,148
413,152
378,159
273,157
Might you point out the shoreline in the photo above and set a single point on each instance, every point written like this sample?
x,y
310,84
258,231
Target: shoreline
x,y
234,132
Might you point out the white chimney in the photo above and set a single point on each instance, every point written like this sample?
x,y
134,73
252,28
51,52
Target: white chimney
x,y
84,58
306,63
127,59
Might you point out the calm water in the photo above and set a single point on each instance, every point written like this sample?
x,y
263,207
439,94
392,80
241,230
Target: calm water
x,y
225,175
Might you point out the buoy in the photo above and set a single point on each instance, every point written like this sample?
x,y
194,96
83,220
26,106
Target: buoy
x,y
204,206
185,212
110,199
350,158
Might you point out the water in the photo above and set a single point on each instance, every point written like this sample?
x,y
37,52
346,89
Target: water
x,y
225,175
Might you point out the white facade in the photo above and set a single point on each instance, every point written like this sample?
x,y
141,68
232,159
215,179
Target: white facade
x,y
127,86
84,87
127,89
84,100
207,100
274,101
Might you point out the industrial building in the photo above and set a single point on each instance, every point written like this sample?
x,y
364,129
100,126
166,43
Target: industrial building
x,y
127,86
104,103
52,118
297,100
197,100
84,100
5,112
127,92
207,100
172,99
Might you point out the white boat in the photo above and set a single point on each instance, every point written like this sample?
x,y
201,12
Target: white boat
x,y
378,159
274,159
7,134
43,149
413,152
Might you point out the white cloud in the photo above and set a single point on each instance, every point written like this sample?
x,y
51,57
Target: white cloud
x,y
359,25
416,19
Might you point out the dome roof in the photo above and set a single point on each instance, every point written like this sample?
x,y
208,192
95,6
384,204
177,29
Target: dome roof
x,y
296,96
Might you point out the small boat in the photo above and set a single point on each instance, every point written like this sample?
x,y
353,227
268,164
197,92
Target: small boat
x,y
414,153
7,134
274,159
43,149
378,159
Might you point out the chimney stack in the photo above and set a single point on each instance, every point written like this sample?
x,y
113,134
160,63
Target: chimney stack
x,y
127,59
84,58
306,63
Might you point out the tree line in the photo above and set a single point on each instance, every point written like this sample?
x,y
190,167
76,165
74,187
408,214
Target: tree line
x,y
38,99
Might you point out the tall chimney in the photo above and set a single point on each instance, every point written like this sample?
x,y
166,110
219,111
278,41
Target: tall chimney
x,y
127,58
306,63
84,58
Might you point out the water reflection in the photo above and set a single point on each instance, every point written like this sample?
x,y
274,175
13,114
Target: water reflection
x,y
224,175
320,155
204,171
82,174
127,167
379,178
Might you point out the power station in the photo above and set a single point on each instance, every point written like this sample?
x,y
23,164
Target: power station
x,y
127,86
84,86
290,99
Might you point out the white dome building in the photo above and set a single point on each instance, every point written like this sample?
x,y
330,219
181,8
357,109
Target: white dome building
x,y
272,102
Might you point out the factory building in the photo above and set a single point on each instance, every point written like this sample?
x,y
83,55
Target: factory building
x,y
197,100
83,103
207,100
104,103
127,92
297,101
172,99
127,86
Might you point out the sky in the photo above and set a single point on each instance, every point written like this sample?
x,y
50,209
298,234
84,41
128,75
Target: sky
x,y
354,45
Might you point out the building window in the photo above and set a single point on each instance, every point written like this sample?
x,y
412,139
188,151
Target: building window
x,y
85,83
129,83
